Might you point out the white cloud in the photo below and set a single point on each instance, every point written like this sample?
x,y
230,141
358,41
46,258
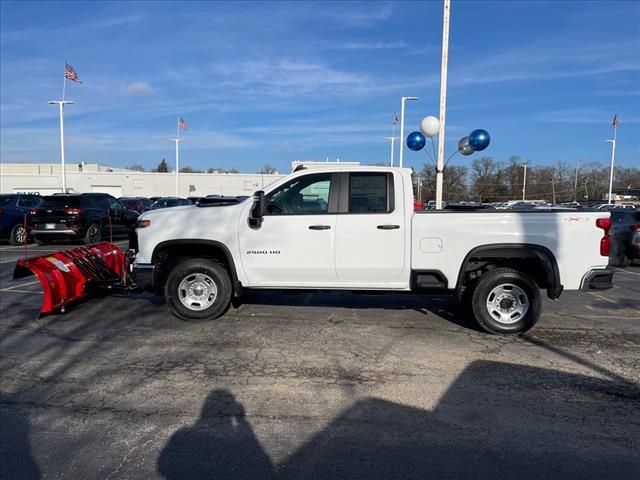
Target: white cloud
x,y
138,88
371,45
365,16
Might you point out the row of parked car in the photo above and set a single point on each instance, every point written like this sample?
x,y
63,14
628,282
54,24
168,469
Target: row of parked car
x,y
88,217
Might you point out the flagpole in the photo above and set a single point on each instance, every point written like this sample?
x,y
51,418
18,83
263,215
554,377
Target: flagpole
x,y
177,140
613,156
64,80
393,135
63,173
392,147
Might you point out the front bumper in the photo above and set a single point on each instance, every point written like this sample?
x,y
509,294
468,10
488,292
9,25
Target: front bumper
x,y
144,275
598,279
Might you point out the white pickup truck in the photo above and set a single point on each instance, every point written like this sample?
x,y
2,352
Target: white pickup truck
x,y
354,228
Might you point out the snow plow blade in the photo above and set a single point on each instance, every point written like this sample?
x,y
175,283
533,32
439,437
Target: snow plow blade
x,y
70,275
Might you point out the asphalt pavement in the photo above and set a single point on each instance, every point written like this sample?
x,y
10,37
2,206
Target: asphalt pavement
x,y
317,386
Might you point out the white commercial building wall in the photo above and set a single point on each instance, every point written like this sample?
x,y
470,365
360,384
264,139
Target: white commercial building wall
x,y
25,178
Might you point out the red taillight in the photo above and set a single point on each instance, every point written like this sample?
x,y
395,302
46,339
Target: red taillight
x,y
73,211
635,228
605,242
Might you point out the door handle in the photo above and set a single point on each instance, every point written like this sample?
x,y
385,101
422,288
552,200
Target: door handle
x,y
388,227
319,227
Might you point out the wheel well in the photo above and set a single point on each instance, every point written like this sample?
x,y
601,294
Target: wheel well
x,y
533,260
167,255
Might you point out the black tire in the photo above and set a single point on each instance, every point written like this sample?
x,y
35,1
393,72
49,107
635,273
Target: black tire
x,y
518,302
178,297
18,235
93,234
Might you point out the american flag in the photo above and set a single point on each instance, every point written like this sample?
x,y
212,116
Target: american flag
x,y
70,73
616,123
182,124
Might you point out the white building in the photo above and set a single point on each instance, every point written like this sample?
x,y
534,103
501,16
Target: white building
x,y
89,177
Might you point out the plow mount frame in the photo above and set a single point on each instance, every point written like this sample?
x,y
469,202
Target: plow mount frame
x,y
68,276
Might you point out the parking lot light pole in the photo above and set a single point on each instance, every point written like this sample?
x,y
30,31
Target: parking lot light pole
x,y
524,182
63,173
443,102
404,99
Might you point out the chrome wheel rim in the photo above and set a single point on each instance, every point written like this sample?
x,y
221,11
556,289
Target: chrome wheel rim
x,y
197,291
94,233
507,303
20,235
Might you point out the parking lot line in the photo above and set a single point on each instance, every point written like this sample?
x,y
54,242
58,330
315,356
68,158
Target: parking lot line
x,y
602,298
19,291
627,271
21,285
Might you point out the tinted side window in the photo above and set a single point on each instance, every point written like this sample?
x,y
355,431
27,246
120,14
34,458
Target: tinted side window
x,y
368,193
304,195
113,203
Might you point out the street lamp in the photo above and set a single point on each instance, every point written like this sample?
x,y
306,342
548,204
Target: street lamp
x,y
404,99
524,181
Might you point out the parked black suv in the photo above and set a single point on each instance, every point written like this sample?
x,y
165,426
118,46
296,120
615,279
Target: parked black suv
x,y
13,208
86,216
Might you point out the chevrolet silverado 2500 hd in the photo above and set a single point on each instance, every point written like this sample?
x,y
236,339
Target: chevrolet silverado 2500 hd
x,y
354,228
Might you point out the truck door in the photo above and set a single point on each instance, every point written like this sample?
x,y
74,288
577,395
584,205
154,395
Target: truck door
x,y
294,245
370,231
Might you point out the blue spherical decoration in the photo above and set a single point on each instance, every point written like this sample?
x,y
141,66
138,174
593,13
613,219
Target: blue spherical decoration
x,y
479,140
416,141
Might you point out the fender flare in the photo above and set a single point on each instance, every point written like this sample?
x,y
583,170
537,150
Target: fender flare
x,y
516,250
190,242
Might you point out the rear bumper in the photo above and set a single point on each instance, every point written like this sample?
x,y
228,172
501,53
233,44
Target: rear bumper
x,y
54,233
598,279
144,275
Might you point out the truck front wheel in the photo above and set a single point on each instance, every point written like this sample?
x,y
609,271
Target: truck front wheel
x,y
506,301
198,289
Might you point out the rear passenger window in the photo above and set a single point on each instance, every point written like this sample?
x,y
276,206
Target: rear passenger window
x,y
368,193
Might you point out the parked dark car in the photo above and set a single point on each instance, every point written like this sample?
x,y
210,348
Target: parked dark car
x,y
88,216
13,208
139,204
166,202
221,200
626,223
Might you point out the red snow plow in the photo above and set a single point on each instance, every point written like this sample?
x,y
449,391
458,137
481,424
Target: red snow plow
x,y
70,275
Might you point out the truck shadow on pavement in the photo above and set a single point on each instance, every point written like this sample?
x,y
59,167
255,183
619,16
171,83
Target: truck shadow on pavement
x,y
497,420
442,306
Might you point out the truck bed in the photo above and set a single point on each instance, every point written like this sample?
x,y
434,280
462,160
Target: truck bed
x,y
441,240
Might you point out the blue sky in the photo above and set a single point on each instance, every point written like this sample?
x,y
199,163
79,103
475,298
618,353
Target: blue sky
x,y
271,82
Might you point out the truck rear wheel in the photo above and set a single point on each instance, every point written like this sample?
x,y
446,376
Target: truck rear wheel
x,y
506,301
198,289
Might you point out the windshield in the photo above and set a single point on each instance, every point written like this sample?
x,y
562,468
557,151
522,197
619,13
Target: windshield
x,y
60,201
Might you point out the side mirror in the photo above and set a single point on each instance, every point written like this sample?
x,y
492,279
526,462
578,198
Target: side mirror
x,y
258,209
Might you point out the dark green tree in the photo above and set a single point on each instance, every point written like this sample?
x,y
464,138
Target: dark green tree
x,y
162,167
